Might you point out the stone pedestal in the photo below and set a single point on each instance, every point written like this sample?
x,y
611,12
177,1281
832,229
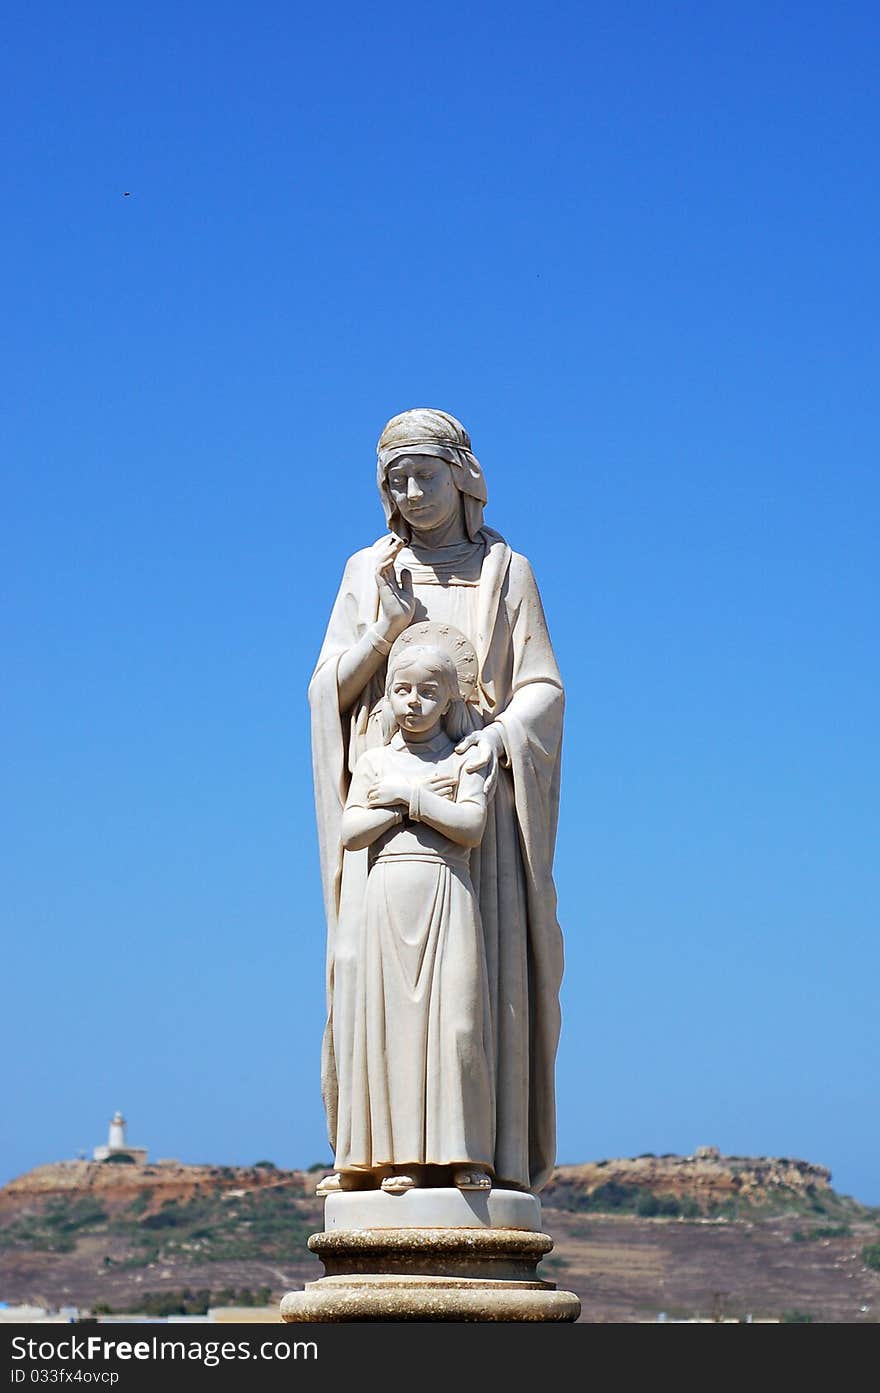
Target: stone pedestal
x,y
432,1254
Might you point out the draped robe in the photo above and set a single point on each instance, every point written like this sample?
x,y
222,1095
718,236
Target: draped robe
x,y
520,689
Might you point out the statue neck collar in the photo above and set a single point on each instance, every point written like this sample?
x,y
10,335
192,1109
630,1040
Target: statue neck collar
x,y
437,743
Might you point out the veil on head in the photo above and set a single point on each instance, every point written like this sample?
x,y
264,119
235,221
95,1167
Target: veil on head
x,y
427,432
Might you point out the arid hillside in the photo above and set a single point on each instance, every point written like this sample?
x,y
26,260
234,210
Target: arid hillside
x,y
680,1237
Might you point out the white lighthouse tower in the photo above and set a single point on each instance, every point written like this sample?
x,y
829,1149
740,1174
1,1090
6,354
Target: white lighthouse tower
x,y
117,1146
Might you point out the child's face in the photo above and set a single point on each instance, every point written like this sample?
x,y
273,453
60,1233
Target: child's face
x,y
418,697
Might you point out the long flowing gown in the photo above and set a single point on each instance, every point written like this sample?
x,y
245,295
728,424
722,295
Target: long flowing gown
x,y
489,593
418,1087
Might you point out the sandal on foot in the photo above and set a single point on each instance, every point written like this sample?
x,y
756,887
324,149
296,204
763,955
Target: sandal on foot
x,y
398,1184
330,1185
341,1181
467,1178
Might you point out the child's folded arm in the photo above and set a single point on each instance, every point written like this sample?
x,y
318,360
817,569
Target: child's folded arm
x,y
461,822
361,826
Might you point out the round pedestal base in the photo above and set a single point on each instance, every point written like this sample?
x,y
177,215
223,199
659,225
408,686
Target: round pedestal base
x,y
433,1208
427,1274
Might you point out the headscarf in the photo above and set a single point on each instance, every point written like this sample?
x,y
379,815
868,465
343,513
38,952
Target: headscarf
x,y
427,432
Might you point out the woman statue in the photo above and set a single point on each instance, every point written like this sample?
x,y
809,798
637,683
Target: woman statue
x,y
440,563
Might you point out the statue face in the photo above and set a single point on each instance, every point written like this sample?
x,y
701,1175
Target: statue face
x,y
423,489
418,697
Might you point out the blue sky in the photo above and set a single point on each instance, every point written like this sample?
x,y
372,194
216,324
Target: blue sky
x,y
634,248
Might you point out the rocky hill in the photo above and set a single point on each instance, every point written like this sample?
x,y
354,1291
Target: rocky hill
x,y
117,1184
682,1235
705,1183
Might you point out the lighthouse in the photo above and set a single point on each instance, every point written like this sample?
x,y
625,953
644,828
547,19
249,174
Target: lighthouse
x,y
117,1146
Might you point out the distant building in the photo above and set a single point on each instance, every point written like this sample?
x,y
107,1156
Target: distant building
x,y
117,1145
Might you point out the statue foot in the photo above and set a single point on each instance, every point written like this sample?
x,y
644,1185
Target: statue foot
x,y
330,1185
471,1178
339,1181
398,1184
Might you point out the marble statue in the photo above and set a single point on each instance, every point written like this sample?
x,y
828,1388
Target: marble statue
x,y
436,734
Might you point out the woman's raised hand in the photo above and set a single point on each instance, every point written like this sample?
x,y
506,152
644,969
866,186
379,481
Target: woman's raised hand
x,y
397,603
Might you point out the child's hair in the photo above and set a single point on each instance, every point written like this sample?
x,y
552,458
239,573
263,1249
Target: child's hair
x,y
439,663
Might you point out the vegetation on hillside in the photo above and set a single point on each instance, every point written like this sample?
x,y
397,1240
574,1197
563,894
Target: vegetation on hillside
x,y
187,1302
871,1256
55,1228
621,1197
261,1223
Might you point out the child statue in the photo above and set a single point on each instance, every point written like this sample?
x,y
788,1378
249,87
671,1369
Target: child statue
x,y
417,1103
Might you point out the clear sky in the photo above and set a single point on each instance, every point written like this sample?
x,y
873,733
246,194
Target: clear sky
x,y
633,246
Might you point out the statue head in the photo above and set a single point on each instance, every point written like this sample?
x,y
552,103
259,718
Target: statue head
x,y
412,481
424,678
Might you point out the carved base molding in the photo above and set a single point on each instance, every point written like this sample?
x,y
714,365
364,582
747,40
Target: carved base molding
x,y
428,1274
